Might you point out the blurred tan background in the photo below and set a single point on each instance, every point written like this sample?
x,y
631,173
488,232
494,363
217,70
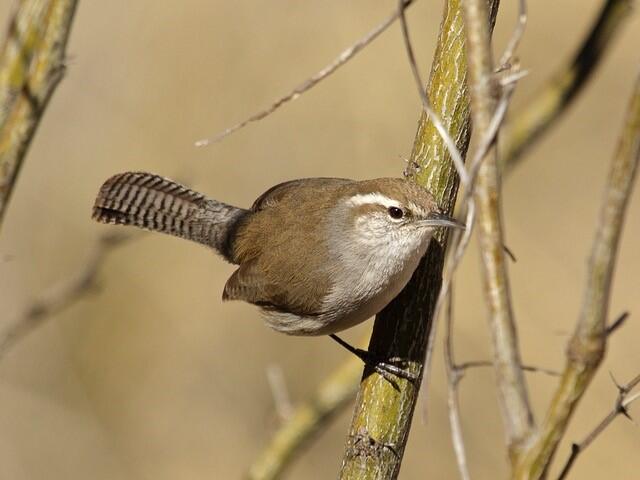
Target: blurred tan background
x,y
154,377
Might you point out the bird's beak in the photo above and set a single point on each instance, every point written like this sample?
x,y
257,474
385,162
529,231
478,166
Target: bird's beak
x,y
437,219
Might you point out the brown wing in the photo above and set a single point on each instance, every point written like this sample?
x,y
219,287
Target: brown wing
x,y
249,283
281,249
276,193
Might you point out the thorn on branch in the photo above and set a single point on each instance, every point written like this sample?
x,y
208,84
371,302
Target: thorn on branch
x,y
621,407
617,323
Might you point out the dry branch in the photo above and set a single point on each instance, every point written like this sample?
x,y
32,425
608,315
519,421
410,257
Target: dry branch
x,y
454,375
517,415
587,345
31,66
60,296
312,81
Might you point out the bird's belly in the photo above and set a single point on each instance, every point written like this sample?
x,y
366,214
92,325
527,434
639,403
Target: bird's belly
x,y
355,307
372,305
364,298
352,300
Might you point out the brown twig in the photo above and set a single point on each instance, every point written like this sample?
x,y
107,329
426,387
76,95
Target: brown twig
x,y
517,414
620,408
527,368
587,346
516,37
312,81
454,375
31,66
541,112
62,295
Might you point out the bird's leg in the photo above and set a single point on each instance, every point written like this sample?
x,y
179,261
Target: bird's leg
x,y
382,366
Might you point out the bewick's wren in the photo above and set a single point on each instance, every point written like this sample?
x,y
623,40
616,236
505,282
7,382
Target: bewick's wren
x,y
317,255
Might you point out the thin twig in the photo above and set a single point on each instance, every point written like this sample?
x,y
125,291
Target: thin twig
x,y
454,375
516,37
526,368
514,401
31,67
587,346
312,81
62,295
544,108
620,408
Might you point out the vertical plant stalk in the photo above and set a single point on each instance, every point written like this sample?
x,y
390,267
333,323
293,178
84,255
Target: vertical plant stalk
x,y
31,66
512,392
587,345
383,412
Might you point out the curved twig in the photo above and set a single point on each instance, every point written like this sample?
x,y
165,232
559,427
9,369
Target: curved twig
x,y
312,81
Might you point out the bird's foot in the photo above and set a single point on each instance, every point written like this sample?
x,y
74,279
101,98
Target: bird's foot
x,y
387,368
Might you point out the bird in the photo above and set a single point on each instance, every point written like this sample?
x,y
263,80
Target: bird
x,y
315,255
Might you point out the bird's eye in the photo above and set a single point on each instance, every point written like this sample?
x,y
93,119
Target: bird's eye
x,y
395,213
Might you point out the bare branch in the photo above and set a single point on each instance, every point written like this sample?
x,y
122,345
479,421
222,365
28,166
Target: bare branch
x,y
620,408
31,67
541,112
61,296
460,241
517,414
516,37
526,368
312,81
454,375
587,345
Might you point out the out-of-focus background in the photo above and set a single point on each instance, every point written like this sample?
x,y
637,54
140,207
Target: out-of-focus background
x,y
153,376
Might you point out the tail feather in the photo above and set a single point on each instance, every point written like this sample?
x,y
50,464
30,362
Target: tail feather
x,y
155,203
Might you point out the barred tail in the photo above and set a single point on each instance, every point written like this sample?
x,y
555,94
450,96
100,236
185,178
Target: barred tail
x,y
155,203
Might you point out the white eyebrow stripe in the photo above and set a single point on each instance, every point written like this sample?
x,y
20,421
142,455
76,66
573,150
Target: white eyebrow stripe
x,y
416,209
373,198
